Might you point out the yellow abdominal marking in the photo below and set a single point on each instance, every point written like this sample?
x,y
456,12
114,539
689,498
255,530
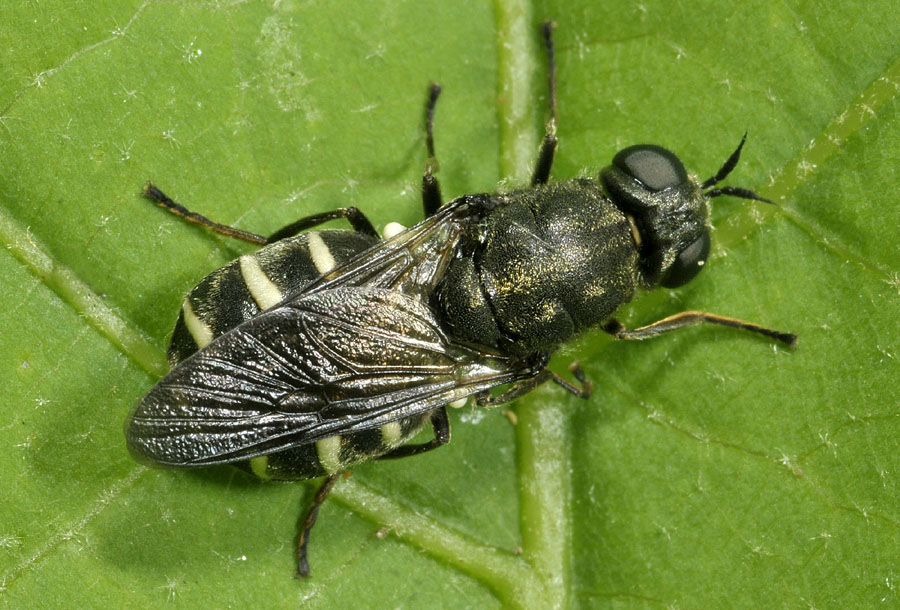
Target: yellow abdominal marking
x,y
264,291
200,330
329,452
319,253
391,433
259,466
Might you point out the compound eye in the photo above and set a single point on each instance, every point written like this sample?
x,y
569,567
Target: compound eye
x,y
688,263
653,166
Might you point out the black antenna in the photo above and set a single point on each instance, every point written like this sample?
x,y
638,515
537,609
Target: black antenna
x,y
734,191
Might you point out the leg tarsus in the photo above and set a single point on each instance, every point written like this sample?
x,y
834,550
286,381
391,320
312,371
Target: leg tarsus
x,y
308,521
587,386
520,388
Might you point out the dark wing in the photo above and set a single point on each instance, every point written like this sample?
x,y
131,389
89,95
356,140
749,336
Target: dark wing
x,y
414,260
332,362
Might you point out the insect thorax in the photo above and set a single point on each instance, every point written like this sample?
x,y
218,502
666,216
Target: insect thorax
x,y
545,264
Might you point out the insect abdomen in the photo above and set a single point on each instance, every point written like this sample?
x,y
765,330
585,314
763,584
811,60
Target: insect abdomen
x,y
255,282
334,453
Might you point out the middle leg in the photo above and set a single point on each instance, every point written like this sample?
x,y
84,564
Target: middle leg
x,y
431,188
548,146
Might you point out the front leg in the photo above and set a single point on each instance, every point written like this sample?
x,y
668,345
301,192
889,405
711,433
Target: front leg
x,y
691,318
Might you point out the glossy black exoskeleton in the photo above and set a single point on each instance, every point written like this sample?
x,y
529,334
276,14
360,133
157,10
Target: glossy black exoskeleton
x,y
327,348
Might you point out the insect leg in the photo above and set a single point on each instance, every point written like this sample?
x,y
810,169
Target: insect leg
x,y
431,189
548,146
521,388
690,318
310,520
356,219
441,425
587,386
154,194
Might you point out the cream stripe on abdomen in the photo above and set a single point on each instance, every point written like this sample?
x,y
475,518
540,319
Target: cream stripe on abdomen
x,y
391,434
329,452
200,330
262,289
320,253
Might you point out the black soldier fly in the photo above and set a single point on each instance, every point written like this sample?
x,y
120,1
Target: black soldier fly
x,y
327,348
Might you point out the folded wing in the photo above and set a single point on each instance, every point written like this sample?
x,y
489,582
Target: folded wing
x,y
329,362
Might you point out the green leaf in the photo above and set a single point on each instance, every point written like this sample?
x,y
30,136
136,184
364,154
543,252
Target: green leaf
x,y
709,469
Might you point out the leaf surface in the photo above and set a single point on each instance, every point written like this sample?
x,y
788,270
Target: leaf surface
x,y
709,469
